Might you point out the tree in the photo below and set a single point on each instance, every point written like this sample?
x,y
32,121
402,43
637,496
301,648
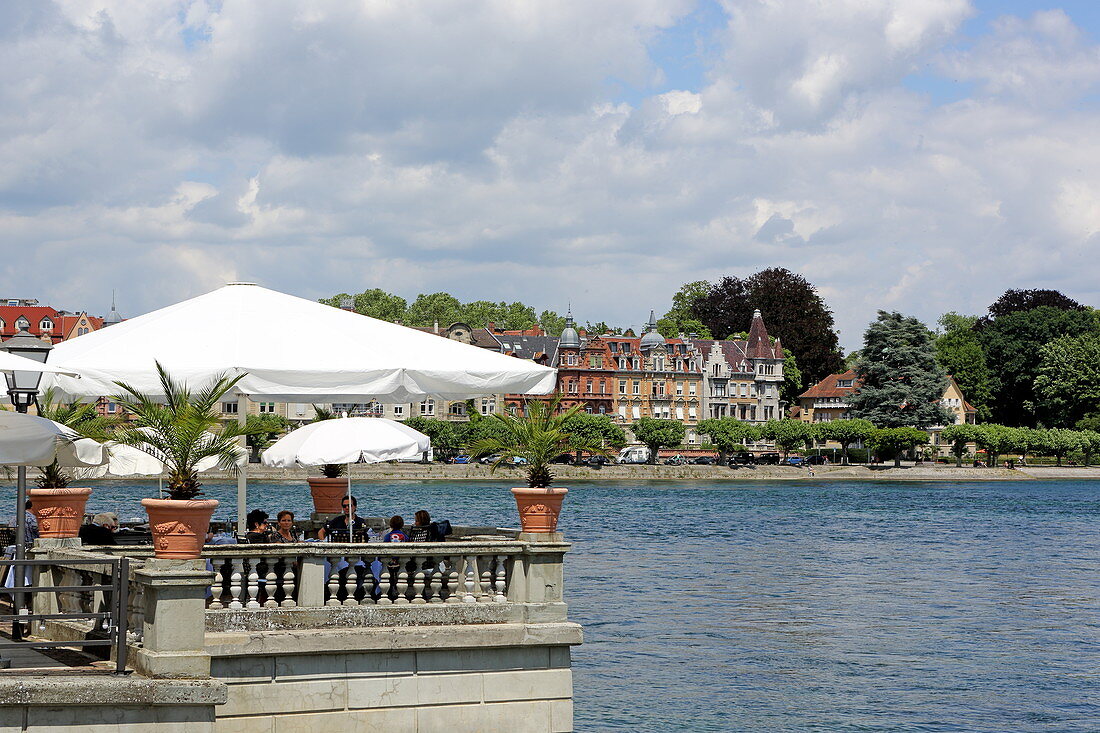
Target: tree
x,y
600,328
681,318
788,434
263,430
585,429
670,328
1067,382
1090,443
443,435
728,434
960,353
552,323
845,432
507,316
1058,442
952,322
81,418
792,309
1015,301
1012,344
792,380
375,303
959,436
430,309
993,439
892,442
901,383
478,428
656,433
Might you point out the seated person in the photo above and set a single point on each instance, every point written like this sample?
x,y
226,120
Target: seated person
x,y
397,531
339,524
258,532
425,530
285,531
101,531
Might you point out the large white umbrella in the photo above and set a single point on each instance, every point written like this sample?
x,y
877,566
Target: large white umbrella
x,y
346,440
28,440
289,349
15,363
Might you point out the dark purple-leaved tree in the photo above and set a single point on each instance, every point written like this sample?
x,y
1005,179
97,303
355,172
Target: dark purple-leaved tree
x,y
792,310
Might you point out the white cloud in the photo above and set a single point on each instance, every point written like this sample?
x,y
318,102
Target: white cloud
x,y
163,147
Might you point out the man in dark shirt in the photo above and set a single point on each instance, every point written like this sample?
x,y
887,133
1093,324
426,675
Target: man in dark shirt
x,y
101,531
339,524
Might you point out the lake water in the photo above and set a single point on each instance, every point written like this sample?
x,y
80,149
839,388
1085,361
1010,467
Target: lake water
x,y
804,606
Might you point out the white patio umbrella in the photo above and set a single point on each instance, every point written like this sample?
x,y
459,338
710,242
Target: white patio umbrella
x,y
346,440
288,349
29,440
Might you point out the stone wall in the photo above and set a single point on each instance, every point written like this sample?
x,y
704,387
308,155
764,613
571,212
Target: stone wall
x,y
508,677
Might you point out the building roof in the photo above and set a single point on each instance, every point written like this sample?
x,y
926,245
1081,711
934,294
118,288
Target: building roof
x,y
760,345
34,314
828,386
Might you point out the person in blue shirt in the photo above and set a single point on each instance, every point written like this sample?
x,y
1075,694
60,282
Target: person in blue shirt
x,y
397,530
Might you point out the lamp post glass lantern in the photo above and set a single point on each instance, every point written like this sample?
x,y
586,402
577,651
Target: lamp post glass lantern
x,y
23,391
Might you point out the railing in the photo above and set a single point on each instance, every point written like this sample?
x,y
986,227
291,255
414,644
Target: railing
x,y
338,574
90,597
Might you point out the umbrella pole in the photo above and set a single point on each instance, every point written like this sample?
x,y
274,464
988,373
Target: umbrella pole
x,y
18,571
242,476
351,512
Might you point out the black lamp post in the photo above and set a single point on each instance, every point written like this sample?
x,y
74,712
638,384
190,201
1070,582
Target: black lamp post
x,y
23,392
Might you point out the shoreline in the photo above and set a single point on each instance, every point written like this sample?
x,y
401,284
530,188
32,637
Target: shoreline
x,y
466,472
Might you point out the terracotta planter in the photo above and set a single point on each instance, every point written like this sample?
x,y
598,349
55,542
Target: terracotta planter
x,y
539,508
328,493
179,526
59,512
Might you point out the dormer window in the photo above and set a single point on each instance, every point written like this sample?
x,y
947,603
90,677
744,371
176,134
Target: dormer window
x,y
22,324
844,382
45,325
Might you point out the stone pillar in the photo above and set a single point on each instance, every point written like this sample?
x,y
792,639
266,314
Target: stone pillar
x,y
540,582
311,582
174,638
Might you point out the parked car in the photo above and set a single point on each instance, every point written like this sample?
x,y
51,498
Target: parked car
x,y
519,461
461,459
743,457
676,460
633,454
598,461
489,459
704,460
816,460
769,459
563,458
796,461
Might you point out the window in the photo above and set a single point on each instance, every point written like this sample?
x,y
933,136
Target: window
x,y
659,363
45,324
22,323
622,364
427,408
691,413
457,409
679,388
229,408
572,387
603,386
718,390
593,361
844,382
113,408
622,386
571,360
614,345
267,407
622,411
659,389
691,388
488,405
716,370
602,409
637,387
399,412
588,386
691,437
79,331
637,412
679,413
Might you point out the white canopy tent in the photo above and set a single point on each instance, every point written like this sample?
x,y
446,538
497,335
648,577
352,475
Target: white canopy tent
x,y
289,349
11,363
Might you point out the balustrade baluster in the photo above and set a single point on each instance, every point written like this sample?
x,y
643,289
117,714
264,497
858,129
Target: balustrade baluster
x,y
271,583
454,590
384,582
334,582
235,583
472,582
288,583
253,584
435,579
419,581
216,589
402,588
486,581
500,586
350,581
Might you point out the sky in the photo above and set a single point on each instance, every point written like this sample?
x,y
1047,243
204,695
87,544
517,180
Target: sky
x,y
912,155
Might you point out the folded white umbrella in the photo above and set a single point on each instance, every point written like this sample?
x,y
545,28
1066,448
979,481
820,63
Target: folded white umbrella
x,y
29,440
346,440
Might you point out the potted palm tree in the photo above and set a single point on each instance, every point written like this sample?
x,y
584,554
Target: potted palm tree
x,y
532,440
181,429
57,506
328,490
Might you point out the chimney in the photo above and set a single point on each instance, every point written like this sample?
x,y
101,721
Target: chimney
x,y
436,328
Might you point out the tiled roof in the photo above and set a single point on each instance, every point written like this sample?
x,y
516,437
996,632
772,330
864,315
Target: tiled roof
x,y
828,387
34,314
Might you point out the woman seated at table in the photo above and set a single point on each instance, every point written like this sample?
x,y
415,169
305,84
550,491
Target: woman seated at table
x,y
425,530
258,532
285,531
